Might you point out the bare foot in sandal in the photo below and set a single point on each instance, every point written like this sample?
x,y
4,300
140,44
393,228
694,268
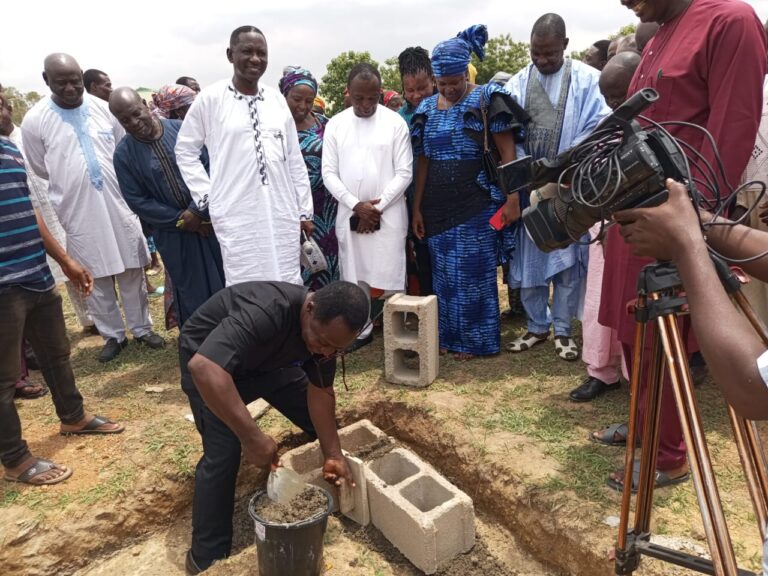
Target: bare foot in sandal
x,y
91,424
37,472
463,356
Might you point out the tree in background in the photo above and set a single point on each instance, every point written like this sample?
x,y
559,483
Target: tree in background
x,y
502,54
20,101
390,75
334,81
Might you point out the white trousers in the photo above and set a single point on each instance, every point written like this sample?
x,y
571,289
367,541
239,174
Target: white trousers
x,y
79,306
105,311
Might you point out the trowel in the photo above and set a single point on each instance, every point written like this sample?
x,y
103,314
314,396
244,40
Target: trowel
x,y
284,485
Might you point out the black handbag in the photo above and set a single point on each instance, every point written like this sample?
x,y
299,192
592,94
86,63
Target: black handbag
x,y
490,155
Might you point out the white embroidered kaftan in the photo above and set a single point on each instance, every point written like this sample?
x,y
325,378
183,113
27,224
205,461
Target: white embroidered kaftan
x,y
258,190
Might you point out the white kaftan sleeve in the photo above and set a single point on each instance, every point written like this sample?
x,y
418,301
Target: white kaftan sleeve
x,y
189,144
330,169
298,171
402,157
34,148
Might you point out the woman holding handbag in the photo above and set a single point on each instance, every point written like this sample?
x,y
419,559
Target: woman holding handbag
x,y
461,134
300,90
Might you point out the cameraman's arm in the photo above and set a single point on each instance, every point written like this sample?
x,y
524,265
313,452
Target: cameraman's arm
x,y
739,242
730,346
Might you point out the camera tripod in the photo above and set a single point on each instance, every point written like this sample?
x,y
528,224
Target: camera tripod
x,y
660,301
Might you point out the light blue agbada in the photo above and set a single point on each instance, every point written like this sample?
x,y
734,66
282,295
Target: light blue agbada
x,y
584,109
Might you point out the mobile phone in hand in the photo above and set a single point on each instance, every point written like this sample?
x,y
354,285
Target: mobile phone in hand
x,y
495,220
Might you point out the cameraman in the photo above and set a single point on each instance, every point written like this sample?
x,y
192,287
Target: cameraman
x,y
737,358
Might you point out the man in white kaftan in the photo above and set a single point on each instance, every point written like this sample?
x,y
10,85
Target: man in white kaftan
x,y
72,148
38,188
258,190
367,159
564,100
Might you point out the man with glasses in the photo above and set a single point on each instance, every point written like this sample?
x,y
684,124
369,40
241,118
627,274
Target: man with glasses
x,y
270,340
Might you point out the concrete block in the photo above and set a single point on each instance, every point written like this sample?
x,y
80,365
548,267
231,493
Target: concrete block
x,y
399,339
422,514
308,460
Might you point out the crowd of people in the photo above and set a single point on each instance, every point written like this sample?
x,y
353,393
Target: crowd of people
x,y
399,192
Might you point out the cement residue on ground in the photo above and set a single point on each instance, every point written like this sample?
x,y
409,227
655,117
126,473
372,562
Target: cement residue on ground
x,y
308,504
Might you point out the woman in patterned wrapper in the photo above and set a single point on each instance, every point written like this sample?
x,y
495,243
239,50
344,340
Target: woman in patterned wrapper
x,y
454,198
300,90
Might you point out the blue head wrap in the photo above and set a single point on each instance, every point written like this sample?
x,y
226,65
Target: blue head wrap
x,y
296,76
451,58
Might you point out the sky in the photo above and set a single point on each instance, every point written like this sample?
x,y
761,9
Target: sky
x,y
152,43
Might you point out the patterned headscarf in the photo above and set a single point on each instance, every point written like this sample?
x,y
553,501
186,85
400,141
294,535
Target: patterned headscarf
x,y
388,95
170,98
452,57
296,76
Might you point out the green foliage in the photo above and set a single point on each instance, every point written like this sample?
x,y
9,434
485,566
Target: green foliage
x,y
579,55
624,31
21,102
334,82
390,75
502,54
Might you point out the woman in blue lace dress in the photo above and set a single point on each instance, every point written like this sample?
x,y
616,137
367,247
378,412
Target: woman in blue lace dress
x,y
300,89
454,199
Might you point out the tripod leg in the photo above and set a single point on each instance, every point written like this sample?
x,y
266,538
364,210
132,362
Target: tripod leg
x,y
651,437
751,452
715,526
754,466
627,557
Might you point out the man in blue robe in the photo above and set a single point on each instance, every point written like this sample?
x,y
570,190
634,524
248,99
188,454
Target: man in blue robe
x,y
153,188
564,100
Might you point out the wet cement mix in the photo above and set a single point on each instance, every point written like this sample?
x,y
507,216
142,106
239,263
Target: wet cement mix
x,y
308,504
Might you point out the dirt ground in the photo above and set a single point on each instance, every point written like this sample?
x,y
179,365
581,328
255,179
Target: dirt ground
x,y
500,428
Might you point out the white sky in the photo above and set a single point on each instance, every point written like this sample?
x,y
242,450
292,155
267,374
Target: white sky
x,y
152,43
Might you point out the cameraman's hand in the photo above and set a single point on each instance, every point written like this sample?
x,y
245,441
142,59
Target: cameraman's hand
x,y
662,232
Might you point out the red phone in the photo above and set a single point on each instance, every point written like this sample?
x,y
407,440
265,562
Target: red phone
x,y
495,220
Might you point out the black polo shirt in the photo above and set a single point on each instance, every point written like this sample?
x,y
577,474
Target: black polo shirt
x,y
253,328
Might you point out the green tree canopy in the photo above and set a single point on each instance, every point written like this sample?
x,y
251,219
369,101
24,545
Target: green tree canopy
x,y
502,54
390,75
20,102
334,81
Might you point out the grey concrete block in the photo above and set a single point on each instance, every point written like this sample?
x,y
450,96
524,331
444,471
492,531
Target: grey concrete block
x,y
308,461
399,339
422,514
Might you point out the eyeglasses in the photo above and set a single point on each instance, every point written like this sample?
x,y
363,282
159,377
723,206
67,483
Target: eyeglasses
x,y
341,354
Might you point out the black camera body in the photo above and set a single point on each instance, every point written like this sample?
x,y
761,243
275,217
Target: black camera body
x,y
619,166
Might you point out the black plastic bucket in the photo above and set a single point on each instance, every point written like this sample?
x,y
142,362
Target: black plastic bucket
x,y
294,549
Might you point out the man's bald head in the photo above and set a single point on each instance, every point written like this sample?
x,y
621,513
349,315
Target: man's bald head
x,y
62,74
123,97
645,31
627,44
133,114
617,76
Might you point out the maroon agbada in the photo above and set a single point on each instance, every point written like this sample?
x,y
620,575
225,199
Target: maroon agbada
x,y
708,65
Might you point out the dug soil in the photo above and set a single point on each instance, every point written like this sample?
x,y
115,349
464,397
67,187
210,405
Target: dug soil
x,y
306,505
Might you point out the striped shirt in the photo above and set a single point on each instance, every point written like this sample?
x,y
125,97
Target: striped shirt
x,y
22,254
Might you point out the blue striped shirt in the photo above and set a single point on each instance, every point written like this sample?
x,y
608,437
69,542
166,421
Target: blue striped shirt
x,y
22,254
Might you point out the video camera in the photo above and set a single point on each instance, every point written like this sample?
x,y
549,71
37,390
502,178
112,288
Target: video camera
x,y
620,165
